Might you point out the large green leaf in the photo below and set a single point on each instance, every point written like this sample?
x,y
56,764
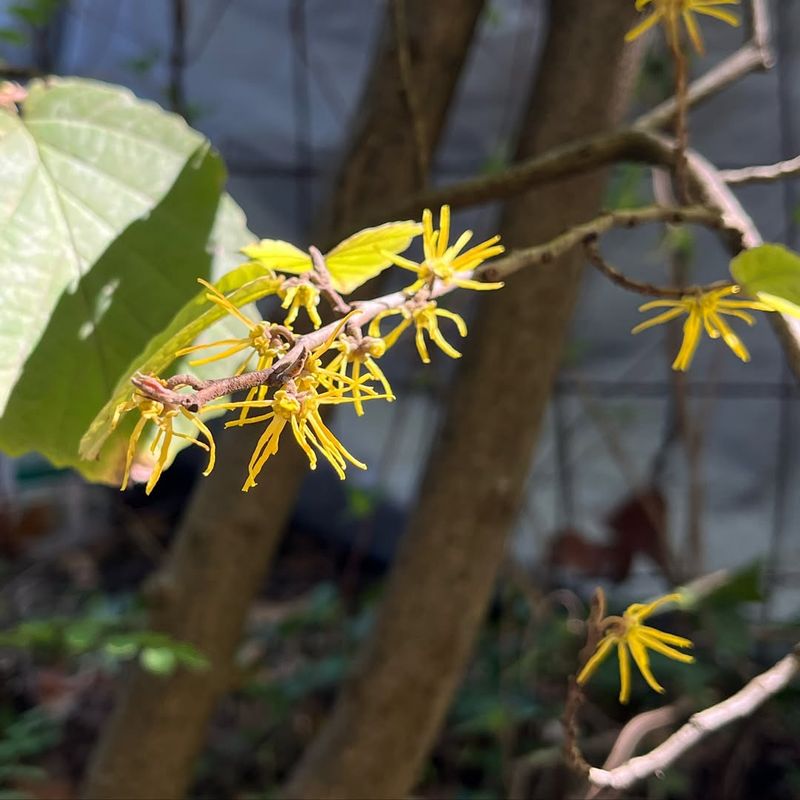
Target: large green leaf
x,y
243,285
109,210
770,272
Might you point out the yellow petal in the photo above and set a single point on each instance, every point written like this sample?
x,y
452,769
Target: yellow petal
x,y
590,667
659,319
665,650
644,26
669,638
643,662
624,672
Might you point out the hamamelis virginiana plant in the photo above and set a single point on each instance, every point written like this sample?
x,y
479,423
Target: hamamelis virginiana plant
x,y
297,376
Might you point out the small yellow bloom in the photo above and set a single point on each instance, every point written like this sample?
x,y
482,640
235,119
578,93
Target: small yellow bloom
x,y
264,340
358,354
162,415
704,311
297,293
297,404
425,318
631,637
447,263
670,12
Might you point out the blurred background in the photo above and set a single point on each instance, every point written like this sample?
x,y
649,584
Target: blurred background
x,y
614,496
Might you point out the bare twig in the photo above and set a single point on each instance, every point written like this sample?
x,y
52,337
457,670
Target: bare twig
x,y
753,56
321,276
628,218
635,730
641,287
765,174
738,706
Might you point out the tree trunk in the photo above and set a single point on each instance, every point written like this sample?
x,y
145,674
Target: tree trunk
x,y
226,540
390,710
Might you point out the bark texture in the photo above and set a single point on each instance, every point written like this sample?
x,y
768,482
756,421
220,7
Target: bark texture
x,y
390,710
227,539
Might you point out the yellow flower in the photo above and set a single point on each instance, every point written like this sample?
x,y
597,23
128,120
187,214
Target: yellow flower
x,y
357,354
633,638
297,293
447,263
297,404
264,339
425,318
670,12
162,415
704,311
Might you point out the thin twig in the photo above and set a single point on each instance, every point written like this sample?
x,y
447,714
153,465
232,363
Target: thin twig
x,y
762,174
753,56
641,287
681,117
637,729
627,218
738,706
321,276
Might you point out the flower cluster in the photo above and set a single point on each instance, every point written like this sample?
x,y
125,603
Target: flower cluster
x,y
670,13
704,312
163,416
295,377
632,638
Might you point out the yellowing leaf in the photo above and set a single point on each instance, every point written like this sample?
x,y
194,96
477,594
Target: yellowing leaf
x,y
770,272
358,258
275,254
351,263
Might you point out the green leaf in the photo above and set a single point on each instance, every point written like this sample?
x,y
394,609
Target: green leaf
x,y
109,209
770,272
160,660
247,283
13,36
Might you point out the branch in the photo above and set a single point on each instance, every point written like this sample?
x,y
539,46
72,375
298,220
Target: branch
x,y
635,730
772,172
641,287
755,55
629,218
573,158
738,706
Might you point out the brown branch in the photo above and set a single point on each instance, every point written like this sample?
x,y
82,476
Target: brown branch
x,y
765,174
579,156
700,725
755,55
321,276
208,390
577,235
642,287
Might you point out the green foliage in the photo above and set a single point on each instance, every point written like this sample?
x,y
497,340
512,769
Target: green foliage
x,y
36,13
106,636
112,209
245,284
24,737
771,273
